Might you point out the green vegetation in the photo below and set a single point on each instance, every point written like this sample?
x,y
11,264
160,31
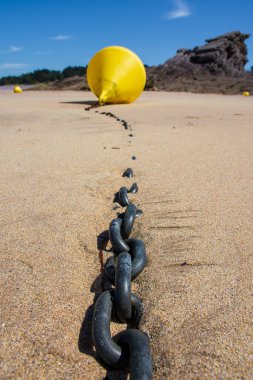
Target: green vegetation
x,y
72,71
44,75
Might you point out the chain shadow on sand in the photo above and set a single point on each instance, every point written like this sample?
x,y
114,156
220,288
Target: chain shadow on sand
x,y
85,342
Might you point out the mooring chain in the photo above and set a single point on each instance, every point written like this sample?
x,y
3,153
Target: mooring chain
x,y
122,195
129,350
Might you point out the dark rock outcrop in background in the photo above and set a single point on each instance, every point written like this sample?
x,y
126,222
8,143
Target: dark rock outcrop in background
x,y
216,67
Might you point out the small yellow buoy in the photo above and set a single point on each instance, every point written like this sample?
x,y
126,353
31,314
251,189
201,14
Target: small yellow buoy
x,y
17,90
245,93
116,75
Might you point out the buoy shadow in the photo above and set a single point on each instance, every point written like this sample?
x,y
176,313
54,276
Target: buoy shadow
x,y
82,102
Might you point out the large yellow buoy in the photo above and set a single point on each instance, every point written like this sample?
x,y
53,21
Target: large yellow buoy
x,y
246,93
17,90
116,75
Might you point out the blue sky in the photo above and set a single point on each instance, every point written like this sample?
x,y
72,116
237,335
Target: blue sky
x,y
56,33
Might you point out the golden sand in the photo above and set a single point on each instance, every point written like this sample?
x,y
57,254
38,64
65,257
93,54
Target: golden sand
x,y
59,172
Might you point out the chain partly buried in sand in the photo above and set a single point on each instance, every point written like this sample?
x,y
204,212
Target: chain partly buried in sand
x,y
128,350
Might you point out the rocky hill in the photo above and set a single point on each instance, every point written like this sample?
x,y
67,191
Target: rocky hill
x,y
216,67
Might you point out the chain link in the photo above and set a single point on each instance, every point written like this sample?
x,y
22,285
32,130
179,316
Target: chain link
x,y
129,350
128,173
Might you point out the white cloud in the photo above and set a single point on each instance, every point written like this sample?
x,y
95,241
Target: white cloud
x,y
181,10
14,49
14,66
61,37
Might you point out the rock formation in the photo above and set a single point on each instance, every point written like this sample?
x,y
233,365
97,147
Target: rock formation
x,y
217,66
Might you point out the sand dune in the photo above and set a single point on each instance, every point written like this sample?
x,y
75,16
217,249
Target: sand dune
x,y
60,167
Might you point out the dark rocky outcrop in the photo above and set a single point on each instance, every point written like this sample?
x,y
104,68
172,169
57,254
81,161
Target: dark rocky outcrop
x,y
216,67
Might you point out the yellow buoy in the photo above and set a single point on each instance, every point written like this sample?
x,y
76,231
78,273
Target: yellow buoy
x,y
245,93
17,90
116,75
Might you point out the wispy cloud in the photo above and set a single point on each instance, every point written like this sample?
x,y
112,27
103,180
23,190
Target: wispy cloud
x,y
181,10
61,37
14,66
14,49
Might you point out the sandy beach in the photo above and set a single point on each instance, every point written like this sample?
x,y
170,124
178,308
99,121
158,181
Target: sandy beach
x,y
60,168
